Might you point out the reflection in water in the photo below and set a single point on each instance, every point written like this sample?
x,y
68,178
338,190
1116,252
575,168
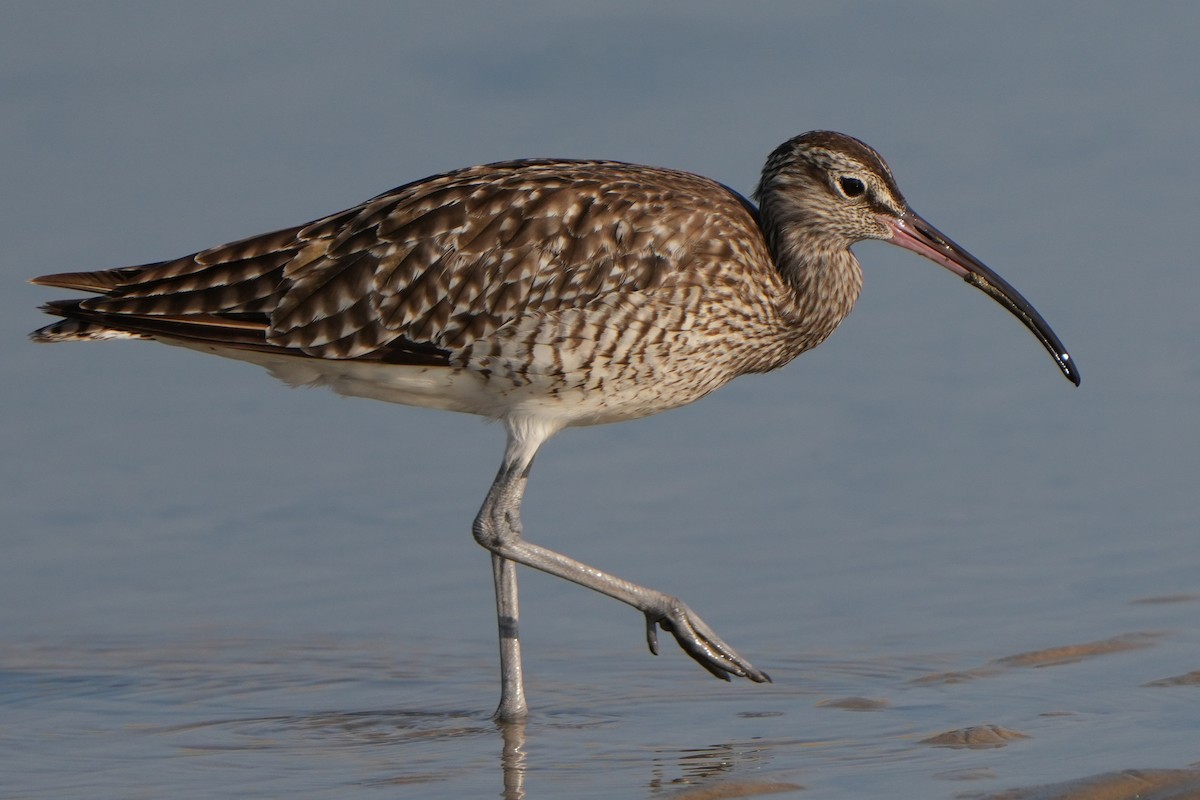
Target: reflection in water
x,y
701,766
512,758
714,772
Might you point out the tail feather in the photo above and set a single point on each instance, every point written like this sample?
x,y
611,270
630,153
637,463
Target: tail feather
x,y
231,318
77,330
82,323
100,282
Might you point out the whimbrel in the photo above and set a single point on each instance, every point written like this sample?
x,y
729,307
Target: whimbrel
x,y
545,294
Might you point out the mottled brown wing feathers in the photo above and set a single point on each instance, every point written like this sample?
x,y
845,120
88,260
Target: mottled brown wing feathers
x,y
425,269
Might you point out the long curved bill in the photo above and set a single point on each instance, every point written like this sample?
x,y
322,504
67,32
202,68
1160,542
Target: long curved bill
x,y
912,232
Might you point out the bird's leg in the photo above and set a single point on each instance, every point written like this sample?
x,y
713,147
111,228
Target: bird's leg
x,y
512,682
504,573
498,528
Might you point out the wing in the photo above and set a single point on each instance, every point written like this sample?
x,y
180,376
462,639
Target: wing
x,y
423,271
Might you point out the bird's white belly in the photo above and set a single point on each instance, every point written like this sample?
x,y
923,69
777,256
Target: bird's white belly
x,y
462,390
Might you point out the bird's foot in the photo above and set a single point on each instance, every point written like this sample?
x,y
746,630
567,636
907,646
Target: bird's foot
x,y
698,641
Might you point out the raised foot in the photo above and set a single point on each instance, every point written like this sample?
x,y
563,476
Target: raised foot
x,y
698,641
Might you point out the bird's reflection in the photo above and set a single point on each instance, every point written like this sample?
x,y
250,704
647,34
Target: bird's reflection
x,y
512,758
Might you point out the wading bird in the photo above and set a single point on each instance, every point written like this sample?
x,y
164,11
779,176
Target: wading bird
x,y
545,294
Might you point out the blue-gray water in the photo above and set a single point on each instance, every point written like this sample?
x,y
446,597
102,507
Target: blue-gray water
x,y
214,585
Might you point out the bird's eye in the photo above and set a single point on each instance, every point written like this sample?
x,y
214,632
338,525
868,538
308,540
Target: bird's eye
x,y
851,187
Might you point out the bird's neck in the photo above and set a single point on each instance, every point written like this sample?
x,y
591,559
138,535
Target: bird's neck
x,y
824,278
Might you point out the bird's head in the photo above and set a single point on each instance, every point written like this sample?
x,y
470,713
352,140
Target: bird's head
x,y
821,192
830,189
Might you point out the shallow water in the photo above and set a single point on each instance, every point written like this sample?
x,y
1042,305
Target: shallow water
x,y
258,717
965,576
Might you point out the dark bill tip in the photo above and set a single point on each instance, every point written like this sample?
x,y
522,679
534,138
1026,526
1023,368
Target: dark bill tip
x,y
912,232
